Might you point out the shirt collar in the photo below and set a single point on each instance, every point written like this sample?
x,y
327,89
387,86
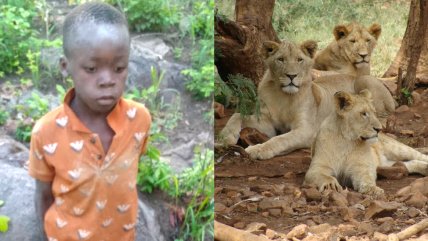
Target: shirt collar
x,y
115,118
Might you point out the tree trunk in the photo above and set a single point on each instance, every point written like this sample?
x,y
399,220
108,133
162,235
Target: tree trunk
x,y
412,57
237,44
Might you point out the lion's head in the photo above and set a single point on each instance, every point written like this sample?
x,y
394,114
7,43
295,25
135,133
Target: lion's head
x,y
357,116
356,42
289,64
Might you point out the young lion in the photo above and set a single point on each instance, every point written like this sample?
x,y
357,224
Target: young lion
x,y
347,152
291,103
351,50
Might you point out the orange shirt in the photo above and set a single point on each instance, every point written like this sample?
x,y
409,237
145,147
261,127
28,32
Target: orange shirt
x,y
95,192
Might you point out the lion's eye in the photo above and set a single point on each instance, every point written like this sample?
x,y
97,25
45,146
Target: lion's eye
x,y
367,40
365,114
300,60
281,59
352,40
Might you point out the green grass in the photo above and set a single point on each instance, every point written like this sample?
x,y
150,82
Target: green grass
x,y
302,20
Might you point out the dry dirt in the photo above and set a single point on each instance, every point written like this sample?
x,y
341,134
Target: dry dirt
x,y
270,192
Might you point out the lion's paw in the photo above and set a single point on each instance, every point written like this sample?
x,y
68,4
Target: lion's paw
x,y
330,184
260,151
373,191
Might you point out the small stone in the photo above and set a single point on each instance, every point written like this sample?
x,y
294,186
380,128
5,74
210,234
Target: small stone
x,y
265,214
290,175
310,223
386,227
218,190
252,207
339,199
380,236
410,221
270,234
402,108
298,232
312,194
318,229
275,212
252,178
267,194
365,228
239,225
418,116
378,207
256,228
317,219
233,194
416,98
413,212
407,132
219,207
417,200
385,219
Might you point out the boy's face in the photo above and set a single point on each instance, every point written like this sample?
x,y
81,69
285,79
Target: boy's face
x,y
98,65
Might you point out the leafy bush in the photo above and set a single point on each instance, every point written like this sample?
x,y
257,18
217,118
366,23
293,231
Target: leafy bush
x,y
33,109
16,37
150,15
4,115
240,92
202,31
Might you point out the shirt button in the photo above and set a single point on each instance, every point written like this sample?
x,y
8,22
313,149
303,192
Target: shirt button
x,y
93,140
99,157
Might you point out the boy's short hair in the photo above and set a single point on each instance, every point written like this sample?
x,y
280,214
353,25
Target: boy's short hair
x,y
94,12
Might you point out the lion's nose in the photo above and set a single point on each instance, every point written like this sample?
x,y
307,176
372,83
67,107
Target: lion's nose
x,y
291,76
363,55
377,129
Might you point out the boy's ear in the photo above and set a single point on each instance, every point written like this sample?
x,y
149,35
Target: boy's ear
x,y
63,65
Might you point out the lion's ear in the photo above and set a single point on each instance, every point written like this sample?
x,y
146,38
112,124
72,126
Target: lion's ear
x,y
340,31
269,48
309,48
375,30
343,101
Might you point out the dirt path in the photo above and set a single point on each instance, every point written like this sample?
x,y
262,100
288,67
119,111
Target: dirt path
x,y
279,202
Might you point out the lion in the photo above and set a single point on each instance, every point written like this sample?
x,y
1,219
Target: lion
x,y
351,51
349,147
292,104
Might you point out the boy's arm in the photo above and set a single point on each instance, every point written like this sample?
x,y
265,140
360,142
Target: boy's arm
x,y
43,200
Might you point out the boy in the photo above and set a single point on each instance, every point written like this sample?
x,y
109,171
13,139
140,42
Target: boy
x,y
84,154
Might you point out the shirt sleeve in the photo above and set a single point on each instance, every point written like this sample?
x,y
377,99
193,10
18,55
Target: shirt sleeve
x,y
148,121
38,167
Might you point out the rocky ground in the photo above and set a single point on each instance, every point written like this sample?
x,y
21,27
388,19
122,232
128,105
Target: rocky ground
x,y
267,197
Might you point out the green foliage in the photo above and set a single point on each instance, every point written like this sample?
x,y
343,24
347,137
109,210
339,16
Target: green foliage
x,y
33,109
202,32
4,220
166,115
239,91
150,15
4,115
16,37
199,180
407,94
4,223
153,172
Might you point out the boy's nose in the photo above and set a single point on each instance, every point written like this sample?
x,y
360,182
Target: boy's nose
x,y
106,79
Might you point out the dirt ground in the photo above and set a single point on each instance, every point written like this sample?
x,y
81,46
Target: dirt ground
x,y
267,197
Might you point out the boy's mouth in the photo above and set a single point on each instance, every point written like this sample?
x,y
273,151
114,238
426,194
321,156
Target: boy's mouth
x,y
106,100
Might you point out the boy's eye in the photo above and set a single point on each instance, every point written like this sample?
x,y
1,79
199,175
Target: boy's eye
x,y
90,69
120,69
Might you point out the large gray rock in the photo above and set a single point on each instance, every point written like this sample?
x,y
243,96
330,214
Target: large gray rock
x,y
17,191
